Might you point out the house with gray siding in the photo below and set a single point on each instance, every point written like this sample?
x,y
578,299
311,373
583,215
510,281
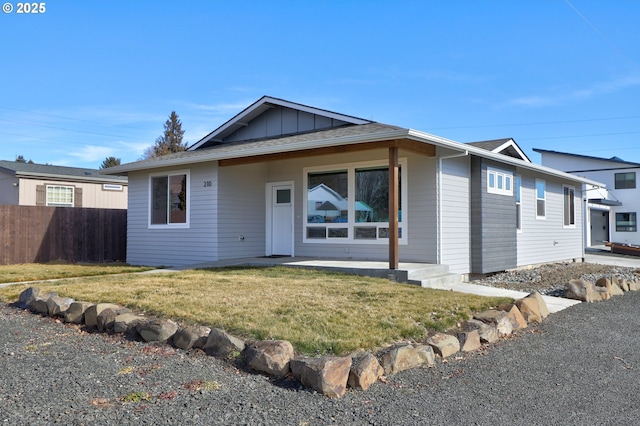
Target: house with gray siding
x,y
256,186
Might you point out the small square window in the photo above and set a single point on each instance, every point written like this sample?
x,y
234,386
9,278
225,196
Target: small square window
x,y
625,180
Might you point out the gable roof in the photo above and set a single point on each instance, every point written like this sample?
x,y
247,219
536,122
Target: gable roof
x,y
264,104
616,160
506,146
358,131
45,171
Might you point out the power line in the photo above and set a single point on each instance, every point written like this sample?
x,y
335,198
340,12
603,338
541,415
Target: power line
x,y
586,120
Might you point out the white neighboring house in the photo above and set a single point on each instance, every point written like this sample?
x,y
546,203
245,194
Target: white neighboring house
x,y
283,178
611,213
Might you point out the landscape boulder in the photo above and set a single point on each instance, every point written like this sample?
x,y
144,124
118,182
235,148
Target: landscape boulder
x,y
365,370
75,313
126,322
92,312
27,297
157,330
533,307
105,320
488,332
469,340
517,320
444,344
222,344
614,288
271,357
500,319
579,289
327,375
39,303
57,305
404,356
193,336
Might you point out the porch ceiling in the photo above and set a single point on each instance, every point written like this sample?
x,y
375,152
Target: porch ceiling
x,y
422,148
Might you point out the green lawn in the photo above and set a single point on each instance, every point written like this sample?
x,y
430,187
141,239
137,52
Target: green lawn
x,y
318,312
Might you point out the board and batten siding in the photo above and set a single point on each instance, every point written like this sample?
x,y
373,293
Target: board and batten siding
x,y
241,211
455,214
493,221
548,240
177,246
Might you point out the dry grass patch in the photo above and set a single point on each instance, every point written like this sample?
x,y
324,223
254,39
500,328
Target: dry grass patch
x,y
318,312
48,271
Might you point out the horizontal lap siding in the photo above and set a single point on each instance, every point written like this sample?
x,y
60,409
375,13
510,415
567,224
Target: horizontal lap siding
x,y
547,240
421,205
241,211
455,220
174,247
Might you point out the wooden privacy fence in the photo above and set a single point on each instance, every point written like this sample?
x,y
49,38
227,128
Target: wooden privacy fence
x,y
42,234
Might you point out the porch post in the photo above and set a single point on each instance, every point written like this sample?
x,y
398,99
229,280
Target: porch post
x,y
393,208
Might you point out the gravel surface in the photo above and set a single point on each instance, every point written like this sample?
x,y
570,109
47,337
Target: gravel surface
x,y
550,279
580,367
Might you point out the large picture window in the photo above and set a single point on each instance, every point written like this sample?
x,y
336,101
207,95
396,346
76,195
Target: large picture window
x,y
169,199
351,203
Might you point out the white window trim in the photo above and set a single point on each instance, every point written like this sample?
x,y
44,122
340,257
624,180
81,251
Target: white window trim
x,y
571,188
187,224
518,203
351,224
111,187
73,196
499,174
535,190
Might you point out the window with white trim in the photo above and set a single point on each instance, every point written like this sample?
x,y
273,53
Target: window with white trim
x,y
59,196
169,201
541,196
569,206
499,182
350,203
518,203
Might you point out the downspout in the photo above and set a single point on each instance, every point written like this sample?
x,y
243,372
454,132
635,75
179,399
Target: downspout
x,y
446,157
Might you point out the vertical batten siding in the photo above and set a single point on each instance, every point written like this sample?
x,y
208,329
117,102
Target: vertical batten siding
x,y
241,211
455,209
93,196
548,240
174,247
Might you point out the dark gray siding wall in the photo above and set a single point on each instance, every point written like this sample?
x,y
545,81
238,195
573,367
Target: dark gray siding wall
x,y
493,222
282,121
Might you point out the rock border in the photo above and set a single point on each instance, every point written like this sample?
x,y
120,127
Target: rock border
x,y
328,375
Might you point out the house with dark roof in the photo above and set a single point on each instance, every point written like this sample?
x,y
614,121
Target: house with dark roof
x,y
282,178
611,213
28,184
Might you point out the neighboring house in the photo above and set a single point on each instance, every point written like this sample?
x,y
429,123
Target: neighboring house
x,y
611,213
28,184
281,178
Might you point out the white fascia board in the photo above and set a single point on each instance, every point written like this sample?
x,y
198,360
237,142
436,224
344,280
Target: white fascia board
x,y
447,143
515,146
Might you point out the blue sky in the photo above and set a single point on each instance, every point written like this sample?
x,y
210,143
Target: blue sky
x,y
89,79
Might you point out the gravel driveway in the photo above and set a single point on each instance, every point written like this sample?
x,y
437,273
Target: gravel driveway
x,y
581,366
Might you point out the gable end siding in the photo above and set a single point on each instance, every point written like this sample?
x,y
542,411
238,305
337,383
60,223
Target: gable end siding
x,y
280,121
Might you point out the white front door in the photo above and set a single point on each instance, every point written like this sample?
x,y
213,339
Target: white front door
x,y
280,232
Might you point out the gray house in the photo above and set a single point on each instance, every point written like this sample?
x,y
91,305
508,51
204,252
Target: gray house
x,y
254,187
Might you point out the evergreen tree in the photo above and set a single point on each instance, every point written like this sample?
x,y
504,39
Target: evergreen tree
x,y
110,162
21,159
170,141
